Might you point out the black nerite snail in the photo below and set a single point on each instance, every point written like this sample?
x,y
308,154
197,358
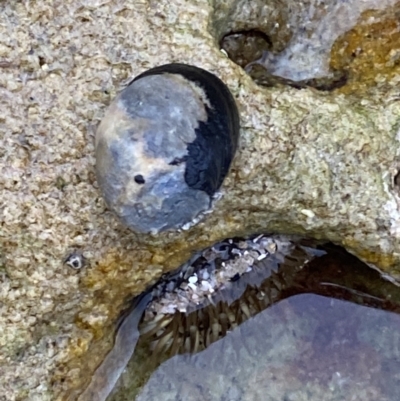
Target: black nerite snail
x,y
165,145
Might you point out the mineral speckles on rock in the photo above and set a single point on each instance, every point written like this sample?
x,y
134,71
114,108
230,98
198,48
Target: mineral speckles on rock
x,y
315,26
165,146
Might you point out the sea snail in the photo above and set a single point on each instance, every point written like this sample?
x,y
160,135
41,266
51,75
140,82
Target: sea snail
x,y
164,147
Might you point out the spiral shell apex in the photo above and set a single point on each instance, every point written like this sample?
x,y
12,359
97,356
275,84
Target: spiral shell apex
x,y
165,146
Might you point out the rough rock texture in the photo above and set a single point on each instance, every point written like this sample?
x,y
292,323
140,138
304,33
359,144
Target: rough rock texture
x,y
312,163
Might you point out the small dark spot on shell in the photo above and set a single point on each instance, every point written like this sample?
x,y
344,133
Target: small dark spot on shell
x,y
139,179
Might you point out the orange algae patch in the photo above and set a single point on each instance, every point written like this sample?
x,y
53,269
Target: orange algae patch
x,y
370,52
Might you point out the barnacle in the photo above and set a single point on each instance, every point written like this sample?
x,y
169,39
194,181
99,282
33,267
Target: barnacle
x,y
165,145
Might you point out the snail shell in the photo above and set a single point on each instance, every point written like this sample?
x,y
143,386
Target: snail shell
x,y
165,145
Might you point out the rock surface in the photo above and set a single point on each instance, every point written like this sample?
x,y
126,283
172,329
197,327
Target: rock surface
x,y
321,164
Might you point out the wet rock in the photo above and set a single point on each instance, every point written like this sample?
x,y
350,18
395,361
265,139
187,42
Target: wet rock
x,y
165,146
311,163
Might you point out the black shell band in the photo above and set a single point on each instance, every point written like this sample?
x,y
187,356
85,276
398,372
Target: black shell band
x,y
165,146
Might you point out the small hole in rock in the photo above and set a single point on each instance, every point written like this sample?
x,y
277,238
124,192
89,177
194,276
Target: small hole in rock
x,y
42,61
244,47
